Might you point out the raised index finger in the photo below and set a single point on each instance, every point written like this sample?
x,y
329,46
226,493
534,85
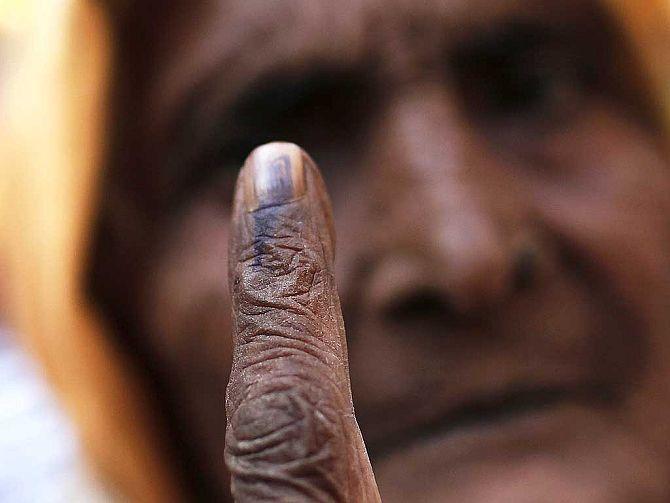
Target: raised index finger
x,y
291,433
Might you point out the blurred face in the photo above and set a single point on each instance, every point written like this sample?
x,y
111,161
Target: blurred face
x,y
501,199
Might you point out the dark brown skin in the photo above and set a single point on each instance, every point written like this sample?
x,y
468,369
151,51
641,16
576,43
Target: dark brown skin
x,y
500,196
291,425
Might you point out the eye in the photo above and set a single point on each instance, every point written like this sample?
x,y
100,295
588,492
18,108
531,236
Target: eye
x,y
323,111
319,111
534,84
520,73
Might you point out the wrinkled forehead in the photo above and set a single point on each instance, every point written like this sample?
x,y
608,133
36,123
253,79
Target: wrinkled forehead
x,y
350,26
237,40
250,31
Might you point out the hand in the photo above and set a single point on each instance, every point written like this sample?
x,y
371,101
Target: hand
x,y
291,434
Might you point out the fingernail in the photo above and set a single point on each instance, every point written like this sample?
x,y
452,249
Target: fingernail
x,y
274,175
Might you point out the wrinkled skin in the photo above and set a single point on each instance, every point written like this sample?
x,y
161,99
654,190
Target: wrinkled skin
x,y
292,433
500,196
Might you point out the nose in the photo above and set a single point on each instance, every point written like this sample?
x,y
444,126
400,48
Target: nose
x,y
454,236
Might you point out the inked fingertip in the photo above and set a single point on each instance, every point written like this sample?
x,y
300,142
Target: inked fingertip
x,y
273,174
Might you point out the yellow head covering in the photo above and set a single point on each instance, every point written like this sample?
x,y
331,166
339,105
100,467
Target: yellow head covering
x,y
51,117
51,146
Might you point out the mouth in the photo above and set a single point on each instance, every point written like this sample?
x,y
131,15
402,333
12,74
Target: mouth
x,y
487,411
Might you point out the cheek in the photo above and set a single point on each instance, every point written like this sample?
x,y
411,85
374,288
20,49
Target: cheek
x,y
612,212
186,308
186,321
607,201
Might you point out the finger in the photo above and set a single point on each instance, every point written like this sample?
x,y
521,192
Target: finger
x,y
291,432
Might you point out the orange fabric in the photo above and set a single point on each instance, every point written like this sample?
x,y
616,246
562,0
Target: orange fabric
x,y
51,142
647,24
50,154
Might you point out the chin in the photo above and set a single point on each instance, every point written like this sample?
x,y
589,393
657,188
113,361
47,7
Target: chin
x,y
565,453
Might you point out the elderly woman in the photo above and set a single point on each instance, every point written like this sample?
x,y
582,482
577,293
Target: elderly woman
x,y
499,175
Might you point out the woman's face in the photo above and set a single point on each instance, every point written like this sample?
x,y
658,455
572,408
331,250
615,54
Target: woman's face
x,y
500,193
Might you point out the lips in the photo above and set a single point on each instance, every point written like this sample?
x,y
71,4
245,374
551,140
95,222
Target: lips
x,y
488,410
417,381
